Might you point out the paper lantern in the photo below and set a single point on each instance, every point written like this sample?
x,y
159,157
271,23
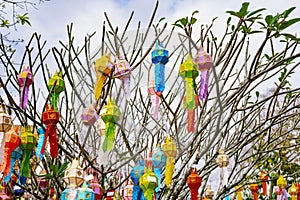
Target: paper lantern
x,y
264,178
128,190
170,151
50,118
74,174
158,162
194,182
223,162
25,79
204,62
135,174
12,141
209,193
15,155
148,181
89,116
122,71
254,189
18,191
293,191
56,85
85,193
42,134
69,193
281,182
110,116
160,57
28,142
95,185
103,67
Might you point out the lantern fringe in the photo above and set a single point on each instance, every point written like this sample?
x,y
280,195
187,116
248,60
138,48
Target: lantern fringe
x,y
137,192
45,139
54,100
157,172
24,99
148,194
190,97
284,194
191,120
169,171
53,142
194,194
225,176
126,83
99,85
155,105
159,77
108,143
25,168
40,145
204,77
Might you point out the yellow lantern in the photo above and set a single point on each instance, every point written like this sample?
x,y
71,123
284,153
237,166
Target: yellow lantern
x,y
293,191
148,182
170,151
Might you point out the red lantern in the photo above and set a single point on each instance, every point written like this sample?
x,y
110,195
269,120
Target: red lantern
x,y
264,178
110,194
50,118
194,182
98,191
254,190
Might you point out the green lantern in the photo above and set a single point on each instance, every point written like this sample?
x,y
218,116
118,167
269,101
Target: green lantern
x,y
148,182
56,85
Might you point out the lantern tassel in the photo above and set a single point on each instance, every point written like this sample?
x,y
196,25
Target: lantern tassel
x,y
25,168
191,120
24,99
53,142
2,144
108,143
169,171
159,78
99,85
225,176
41,141
126,83
284,194
45,139
157,172
190,97
204,77
54,100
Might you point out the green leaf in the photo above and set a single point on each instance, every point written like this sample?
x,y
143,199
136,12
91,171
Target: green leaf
x,y
195,12
255,12
4,23
228,21
257,94
62,168
184,21
54,169
244,10
233,13
268,19
253,32
24,19
288,11
193,20
290,36
286,24
161,19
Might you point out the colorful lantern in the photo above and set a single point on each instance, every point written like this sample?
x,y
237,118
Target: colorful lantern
x,y
28,142
5,125
264,178
204,62
278,192
94,184
25,79
154,99
128,190
122,71
191,114
103,67
56,85
42,181
293,191
110,117
148,181
281,182
74,174
158,162
135,174
89,116
170,151
209,193
42,138
239,190
194,182
223,162
160,57
70,193
15,155
85,193
110,195
50,118
12,141
254,189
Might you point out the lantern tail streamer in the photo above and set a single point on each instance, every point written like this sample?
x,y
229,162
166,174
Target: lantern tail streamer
x,y
227,197
41,141
126,82
25,168
264,186
194,194
53,142
204,77
190,97
24,99
239,195
99,85
108,143
6,162
155,105
148,194
191,120
225,175
169,171
157,172
45,140
159,78
284,194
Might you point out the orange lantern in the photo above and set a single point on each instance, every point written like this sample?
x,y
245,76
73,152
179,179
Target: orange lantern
x,y
194,182
254,190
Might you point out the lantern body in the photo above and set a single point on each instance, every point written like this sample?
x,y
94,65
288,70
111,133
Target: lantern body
x,y
169,147
188,69
56,83
293,191
50,116
148,182
5,120
209,193
85,193
203,59
281,182
222,159
89,116
112,113
74,174
128,190
28,139
160,55
159,159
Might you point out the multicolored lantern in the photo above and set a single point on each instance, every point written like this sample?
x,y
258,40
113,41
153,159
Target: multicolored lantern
x,y
103,68
135,174
281,182
239,190
191,114
12,141
74,174
5,125
94,184
28,142
170,151
110,116
254,189
264,178
89,116
160,57
122,71
50,118
293,191
209,193
56,85
148,181
85,193
194,182
128,190
158,162
42,138
278,192
25,79
154,98
204,62
15,155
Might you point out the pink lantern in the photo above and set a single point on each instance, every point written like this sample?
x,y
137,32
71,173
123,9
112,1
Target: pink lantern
x,y
89,116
